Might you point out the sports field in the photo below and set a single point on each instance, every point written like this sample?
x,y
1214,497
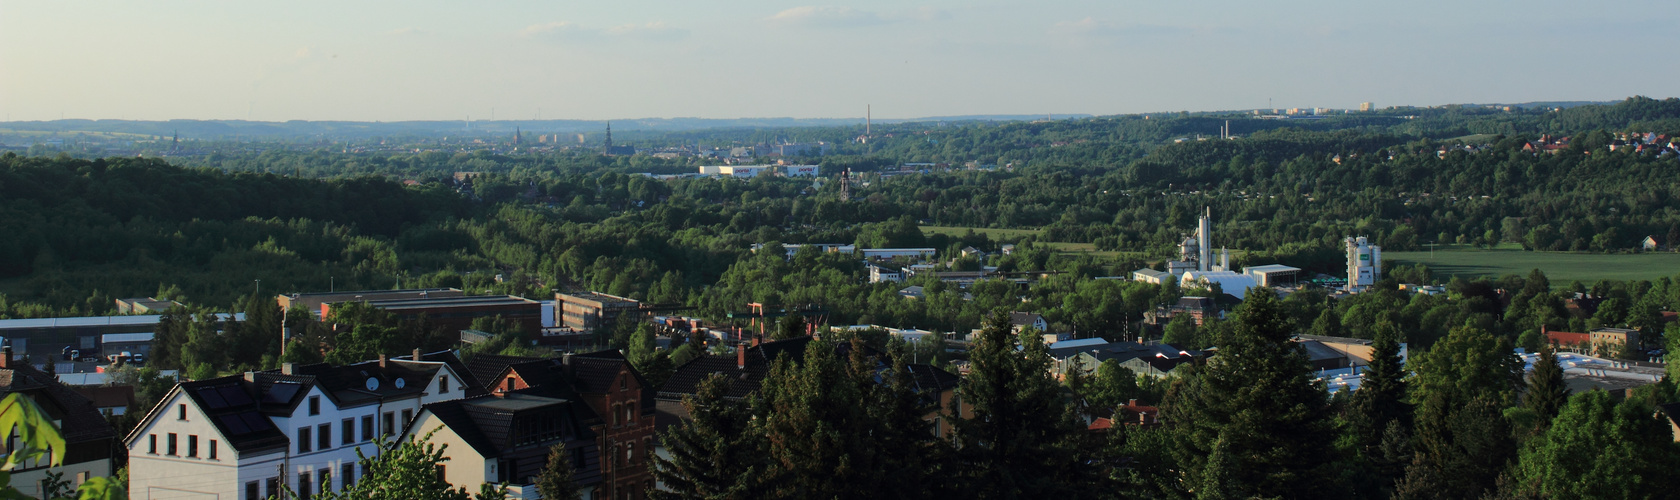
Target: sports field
x,y
1560,267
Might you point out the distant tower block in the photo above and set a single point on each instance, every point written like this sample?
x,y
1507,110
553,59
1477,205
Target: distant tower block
x,y
1367,106
1364,263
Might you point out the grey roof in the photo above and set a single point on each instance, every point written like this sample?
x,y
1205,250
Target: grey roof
x,y
1318,351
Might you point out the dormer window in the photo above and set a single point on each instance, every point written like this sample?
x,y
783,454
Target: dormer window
x,y
314,405
443,384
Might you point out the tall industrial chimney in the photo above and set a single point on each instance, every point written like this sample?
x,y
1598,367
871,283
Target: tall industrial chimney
x,y
1204,242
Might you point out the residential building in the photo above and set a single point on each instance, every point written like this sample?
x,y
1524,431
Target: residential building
x,y
1198,308
243,436
1609,341
89,439
596,402
109,399
1087,355
1019,321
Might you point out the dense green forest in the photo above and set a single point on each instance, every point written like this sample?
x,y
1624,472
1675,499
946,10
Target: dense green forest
x,y
225,231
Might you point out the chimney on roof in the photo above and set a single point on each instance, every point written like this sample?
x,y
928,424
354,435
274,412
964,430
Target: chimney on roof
x,y
382,359
250,376
417,354
740,356
566,359
287,368
757,339
6,357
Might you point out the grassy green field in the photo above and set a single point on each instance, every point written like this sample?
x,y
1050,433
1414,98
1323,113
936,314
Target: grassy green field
x,y
994,234
1560,267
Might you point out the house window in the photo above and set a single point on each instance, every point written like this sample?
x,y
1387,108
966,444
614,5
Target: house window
x,y
303,487
253,491
408,415
347,431
367,427
443,384
273,486
323,437
152,447
386,423
192,446
212,449
618,415
630,413
440,474
623,383
510,384
325,475
181,412
348,474
577,457
173,451
314,405
304,440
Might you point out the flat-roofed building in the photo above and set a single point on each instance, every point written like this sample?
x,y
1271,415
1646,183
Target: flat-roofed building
x,y
458,313
591,311
148,305
1273,275
314,301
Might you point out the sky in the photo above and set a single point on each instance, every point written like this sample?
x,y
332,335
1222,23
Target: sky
x,y
517,59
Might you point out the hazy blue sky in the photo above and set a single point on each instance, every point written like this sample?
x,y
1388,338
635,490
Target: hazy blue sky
x,y
377,60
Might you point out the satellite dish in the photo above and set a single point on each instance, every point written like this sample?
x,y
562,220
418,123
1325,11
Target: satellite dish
x,y
401,383
372,384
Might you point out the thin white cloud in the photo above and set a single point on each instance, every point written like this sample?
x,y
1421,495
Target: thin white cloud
x,y
561,31
827,16
1093,27
847,17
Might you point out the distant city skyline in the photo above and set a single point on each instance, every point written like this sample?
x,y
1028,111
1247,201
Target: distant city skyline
x,y
427,60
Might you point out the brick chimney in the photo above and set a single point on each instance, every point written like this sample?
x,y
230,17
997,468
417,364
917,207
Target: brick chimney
x,y
382,359
287,368
6,357
740,356
417,354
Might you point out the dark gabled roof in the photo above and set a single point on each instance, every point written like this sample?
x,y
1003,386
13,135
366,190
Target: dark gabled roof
x,y
81,421
234,405
932,378
486,367
348,385
1671,411
585,373
1018,318
474,386
108,396
488,423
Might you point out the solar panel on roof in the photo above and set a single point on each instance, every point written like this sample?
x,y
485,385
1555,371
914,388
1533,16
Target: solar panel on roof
x,y
235,425
256,421
212,399
281,393
234,395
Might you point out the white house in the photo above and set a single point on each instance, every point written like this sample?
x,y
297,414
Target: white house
x,y
241,436
879,274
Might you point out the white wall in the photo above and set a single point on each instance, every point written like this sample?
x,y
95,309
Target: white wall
x,y
161,476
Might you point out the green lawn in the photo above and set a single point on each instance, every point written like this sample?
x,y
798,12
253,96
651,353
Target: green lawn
x,y
1560,267
993,233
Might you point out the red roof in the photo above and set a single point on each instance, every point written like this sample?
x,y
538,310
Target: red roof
x,y
1568,338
